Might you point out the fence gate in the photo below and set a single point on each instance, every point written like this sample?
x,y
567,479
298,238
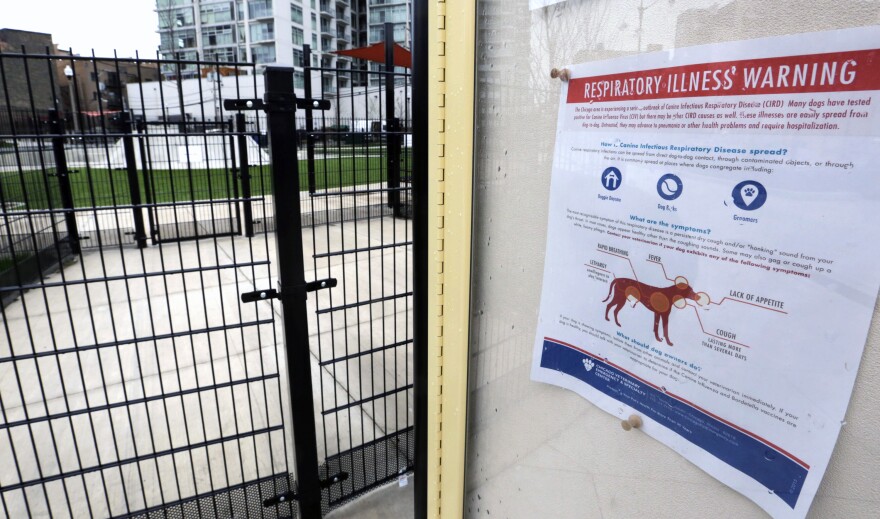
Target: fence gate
x,y
133,380
362,331
345,264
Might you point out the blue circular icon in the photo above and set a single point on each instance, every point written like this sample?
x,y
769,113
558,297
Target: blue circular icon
x,y
749,195
669,187
611,178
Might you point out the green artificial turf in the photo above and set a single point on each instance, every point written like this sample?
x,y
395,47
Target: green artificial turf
x,y
38,189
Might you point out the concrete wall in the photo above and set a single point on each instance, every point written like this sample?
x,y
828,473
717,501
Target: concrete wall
x,y
541,451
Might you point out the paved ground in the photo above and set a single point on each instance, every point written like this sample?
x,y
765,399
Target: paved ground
x,y
389,502
134,325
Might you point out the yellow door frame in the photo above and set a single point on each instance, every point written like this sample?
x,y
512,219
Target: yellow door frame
x,y
451,47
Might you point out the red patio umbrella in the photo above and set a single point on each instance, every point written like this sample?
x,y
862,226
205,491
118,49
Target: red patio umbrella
x,y
376,52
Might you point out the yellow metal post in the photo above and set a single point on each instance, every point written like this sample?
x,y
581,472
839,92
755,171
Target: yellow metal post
x,y
451,133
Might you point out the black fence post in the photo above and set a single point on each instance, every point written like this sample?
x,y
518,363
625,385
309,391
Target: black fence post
x,y
229,129
392,137
421,255
140,235
245,174
63,175
143,146
280,112
310,120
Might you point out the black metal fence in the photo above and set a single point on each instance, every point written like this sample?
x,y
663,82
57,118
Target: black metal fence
x,y
133,381
363,330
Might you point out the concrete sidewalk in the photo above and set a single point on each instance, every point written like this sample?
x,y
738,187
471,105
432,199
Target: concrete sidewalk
x,y
137,324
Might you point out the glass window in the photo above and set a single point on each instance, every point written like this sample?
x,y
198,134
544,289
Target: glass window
x,y
296,35
224,54
327,84
162,4
393,14
296,14
299,79
219,35
261,31
263,53
181,17
173,40
259,8
297,57
314,41
216,13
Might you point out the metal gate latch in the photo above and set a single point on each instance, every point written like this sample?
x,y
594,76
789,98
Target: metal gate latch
x,y
277,103
291,495
279,499
335,478
262,295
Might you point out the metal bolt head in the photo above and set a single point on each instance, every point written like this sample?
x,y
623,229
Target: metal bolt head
x,y
315,104
281,499
249,104
323,284
262,295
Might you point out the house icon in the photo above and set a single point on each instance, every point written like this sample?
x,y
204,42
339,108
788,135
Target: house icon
x,y
611,178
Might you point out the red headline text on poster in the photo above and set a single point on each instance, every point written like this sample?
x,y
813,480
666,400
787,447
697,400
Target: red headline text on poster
x,y
832,72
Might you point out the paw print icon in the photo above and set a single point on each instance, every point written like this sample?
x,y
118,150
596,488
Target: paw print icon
x,y
589,364
749,195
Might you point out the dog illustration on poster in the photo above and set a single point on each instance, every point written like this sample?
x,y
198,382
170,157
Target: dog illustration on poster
x,y
656,299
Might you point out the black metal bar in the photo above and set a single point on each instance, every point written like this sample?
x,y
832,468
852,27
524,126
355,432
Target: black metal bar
x,y
136,459
421,257
401,432
310,125
233,179
63,175
368,399
143,146
91,209
245,173
359,192
134,401
362,249
140,234
136,340
363,303
133,275
363,353
291,280
392,140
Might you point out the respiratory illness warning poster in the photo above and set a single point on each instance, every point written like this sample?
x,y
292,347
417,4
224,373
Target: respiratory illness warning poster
x,y
711,250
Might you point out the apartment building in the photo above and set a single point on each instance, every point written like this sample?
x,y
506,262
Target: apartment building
x,y
274,31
